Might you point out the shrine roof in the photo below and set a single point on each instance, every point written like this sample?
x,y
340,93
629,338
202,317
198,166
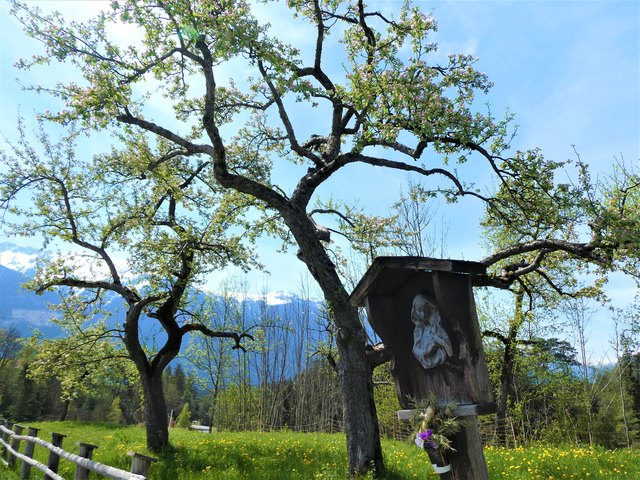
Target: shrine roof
x,y
387,275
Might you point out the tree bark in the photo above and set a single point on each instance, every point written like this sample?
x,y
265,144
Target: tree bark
x,y
155,411
356,382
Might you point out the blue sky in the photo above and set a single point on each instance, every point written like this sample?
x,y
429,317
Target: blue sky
x,y
569,70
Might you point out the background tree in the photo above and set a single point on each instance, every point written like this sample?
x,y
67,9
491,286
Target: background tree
x,y
26,398
109,206
627,350
394,108
210,357
580,314
418,231
632,377
115,412
82,362
184,419
9,345
542,279
511,343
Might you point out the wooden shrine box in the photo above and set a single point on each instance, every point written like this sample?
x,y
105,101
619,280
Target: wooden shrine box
x,y
424,312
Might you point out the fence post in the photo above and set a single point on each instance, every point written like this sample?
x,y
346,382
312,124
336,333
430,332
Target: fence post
x,y
5,437
25,470
15,443
141,464
2,422
54,458
85,451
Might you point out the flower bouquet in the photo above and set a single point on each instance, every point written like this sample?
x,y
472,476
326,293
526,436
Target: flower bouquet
x,y
437,426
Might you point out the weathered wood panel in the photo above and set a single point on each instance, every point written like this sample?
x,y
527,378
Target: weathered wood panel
x,y
464,377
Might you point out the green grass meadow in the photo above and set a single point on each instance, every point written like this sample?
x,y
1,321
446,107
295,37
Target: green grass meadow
x,y
287,455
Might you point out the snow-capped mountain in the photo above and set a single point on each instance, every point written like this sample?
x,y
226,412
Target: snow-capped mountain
x,y
24,309
19,259
269,298
28,311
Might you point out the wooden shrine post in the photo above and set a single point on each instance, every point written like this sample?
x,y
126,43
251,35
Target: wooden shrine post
x,y
424,312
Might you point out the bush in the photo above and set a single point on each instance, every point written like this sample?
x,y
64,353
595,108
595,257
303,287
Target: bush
x,y
115,412
184,419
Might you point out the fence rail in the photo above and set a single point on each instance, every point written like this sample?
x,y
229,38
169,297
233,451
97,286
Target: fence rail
x,y
11,438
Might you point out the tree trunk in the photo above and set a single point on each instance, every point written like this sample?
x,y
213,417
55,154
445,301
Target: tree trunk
x,y
506,380
155,406
65,410
623,407
356,376
360,417
506,372
155,411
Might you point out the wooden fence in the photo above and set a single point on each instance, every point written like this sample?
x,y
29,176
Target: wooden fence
x,y
11,437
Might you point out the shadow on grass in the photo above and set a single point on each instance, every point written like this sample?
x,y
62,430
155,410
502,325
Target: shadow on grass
x,y
178,462
168,466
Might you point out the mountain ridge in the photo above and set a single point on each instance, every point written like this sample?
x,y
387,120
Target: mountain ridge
x,y
26,311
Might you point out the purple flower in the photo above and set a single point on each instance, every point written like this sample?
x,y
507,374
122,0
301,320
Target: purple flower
x,y
426,435
425,439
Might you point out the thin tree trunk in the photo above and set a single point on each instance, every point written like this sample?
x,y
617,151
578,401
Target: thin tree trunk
x,y
620,370
506,371
65,410
216,388
506,380
623,407
580,314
